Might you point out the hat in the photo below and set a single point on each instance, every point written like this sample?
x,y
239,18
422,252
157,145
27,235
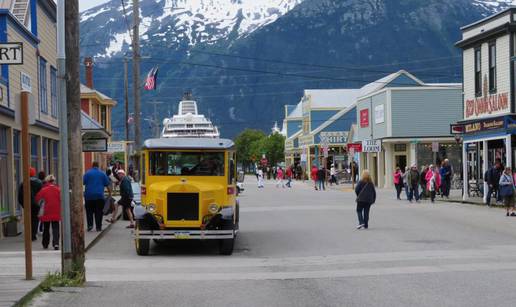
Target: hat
x,y
32,172
121,172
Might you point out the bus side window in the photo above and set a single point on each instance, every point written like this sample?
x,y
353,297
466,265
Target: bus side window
x,y
144,169
231,175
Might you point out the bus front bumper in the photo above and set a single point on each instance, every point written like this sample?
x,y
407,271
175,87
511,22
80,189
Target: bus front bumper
x,y
184,234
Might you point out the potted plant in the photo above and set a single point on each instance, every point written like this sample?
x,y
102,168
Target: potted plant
x,y
12,226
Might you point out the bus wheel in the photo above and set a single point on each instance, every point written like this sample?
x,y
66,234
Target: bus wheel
x,y
142,246
226,246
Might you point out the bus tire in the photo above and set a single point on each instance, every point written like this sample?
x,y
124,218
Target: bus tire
x,y
226,246
142,246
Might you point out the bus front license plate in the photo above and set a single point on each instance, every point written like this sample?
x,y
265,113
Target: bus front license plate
x,y
182,235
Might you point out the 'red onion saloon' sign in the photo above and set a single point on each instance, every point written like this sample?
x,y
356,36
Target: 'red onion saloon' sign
x,y
487,105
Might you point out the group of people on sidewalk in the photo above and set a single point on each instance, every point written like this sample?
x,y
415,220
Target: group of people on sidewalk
x,y
428,182
501,181
45,201
279,175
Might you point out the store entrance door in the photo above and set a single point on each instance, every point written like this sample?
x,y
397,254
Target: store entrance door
x,y
401,161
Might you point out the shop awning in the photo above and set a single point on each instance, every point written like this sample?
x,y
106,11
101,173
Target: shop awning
x,y
91,129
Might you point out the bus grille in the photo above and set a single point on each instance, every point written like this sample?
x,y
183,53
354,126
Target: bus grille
x,y
182,206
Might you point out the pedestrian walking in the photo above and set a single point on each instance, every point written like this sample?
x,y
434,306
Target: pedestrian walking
x,y
333,175
279,178
493,181
321,178
423,183
289,176
433,181
446,175
126,199
260,178
95,181
50,211
366,196
507,191
398,182
413,181
405,183
314,175
35,187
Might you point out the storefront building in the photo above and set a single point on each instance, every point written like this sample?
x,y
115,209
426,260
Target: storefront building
x,y
35,28
98,107
404,121
318,127
488,123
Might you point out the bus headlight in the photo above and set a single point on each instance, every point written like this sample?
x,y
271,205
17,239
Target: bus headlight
x,y
213,208
151,208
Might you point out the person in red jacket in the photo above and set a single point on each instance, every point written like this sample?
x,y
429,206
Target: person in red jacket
x,y
314,175
289,176
50,213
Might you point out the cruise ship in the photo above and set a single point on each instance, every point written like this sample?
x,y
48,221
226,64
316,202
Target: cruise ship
x,y
188,122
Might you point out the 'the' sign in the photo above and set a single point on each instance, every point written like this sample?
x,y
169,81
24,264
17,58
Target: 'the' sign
x,y
11,53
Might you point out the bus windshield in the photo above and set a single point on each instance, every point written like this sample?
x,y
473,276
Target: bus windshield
x,y
186,163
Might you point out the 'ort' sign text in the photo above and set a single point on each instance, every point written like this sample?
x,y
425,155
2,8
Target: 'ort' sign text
x,y
11,53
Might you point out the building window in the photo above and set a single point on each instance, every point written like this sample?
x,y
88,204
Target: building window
x,y
55,159
4,190
478,72
34,149
492,67
53,92
45,156
43,103
103,116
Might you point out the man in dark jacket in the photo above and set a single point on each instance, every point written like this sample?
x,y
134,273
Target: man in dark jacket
x,y
35,187
321,178
126,198
413,183
493,181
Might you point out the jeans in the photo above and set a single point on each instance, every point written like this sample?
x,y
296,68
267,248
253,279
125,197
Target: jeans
x,y
399,188
94,208
423,194
46,233
490,191
446,187
407,191
289,182
414,192
321,185
34,211
363,213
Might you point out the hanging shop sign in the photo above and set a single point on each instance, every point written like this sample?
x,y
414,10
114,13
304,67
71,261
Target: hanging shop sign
x,y
306,140
116,147
487,105
336,137
486,125
456,129
435,146
364,118
379,114
339,158
372,146
25,82
289,144
356,147
11,53
94,145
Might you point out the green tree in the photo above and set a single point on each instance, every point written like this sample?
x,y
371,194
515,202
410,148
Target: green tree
x,y
247,144
275,148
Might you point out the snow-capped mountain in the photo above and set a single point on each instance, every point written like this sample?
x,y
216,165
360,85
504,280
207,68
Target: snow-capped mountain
x,y
179,22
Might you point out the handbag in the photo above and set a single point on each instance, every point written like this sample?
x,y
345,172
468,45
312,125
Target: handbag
x,y
508,189
41,211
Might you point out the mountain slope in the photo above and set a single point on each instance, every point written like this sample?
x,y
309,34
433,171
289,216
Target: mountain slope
x,y
350,42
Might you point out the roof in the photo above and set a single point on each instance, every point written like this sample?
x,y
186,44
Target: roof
x,y
332,98
297,112
332,119
92,127
295,135
89,91
481,21
188,143
383,82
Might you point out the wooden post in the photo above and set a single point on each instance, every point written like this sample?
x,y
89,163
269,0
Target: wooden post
x,y
75,162
27,205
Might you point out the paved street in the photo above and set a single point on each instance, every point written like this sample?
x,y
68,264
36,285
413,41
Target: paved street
x,y
300,247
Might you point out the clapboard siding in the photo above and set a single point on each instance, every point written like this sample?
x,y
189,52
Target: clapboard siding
x,y
424,112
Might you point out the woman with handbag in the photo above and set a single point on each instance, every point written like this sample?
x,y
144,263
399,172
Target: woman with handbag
x,y
366,196
507,191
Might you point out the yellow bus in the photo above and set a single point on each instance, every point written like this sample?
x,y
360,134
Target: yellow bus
x,y
188,192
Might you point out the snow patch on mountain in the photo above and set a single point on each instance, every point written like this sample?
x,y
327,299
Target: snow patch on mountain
x,y
493,6
188,21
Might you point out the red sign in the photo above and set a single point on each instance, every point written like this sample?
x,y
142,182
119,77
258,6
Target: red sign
x,y
364,118
357,147
492,104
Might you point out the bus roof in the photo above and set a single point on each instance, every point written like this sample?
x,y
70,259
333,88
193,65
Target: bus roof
x,y
188,143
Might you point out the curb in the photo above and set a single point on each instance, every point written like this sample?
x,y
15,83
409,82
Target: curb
x,y
29,296
469,203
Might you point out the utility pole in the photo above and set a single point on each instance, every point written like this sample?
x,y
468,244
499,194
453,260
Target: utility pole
x,y
136,79
73,93
27,205
66,251
126,101
155,121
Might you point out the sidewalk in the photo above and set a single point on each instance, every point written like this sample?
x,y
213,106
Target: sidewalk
x,y
13,285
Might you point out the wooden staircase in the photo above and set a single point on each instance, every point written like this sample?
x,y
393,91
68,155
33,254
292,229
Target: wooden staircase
x,y
20,8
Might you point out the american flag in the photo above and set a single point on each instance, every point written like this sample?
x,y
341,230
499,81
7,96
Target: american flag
x,y
152,79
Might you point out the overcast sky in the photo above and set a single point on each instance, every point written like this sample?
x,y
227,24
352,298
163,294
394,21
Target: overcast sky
x,y
86,4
